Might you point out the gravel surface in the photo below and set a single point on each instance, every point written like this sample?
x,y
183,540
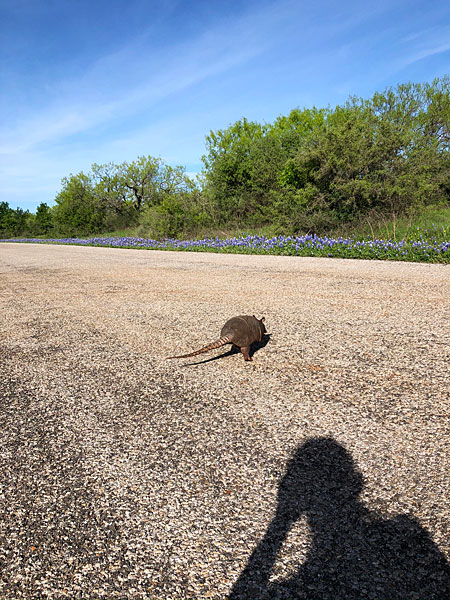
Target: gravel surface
x,y
319,470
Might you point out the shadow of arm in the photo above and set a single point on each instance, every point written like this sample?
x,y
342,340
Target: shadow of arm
x,y
254,579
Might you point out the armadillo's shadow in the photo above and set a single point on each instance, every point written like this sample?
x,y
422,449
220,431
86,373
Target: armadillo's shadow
x,y
233,350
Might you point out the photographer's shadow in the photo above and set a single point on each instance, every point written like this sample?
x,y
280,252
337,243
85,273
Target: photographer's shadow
x,y
354,554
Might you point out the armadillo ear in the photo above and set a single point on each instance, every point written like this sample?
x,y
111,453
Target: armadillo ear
x,y
263,319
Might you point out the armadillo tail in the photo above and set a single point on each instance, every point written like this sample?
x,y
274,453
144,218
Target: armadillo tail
x,y
217,344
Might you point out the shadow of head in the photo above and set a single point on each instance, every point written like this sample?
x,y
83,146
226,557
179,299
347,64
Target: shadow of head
x,y
320,476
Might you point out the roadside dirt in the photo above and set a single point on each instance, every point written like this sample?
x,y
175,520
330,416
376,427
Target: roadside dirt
x,y
125,475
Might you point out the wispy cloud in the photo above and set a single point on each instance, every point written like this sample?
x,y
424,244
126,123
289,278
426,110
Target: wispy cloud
x,y
124,82
424,44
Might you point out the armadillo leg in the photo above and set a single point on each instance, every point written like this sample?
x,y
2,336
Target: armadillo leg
x,y
245,352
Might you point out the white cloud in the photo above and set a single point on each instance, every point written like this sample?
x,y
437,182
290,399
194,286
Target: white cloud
x,y
123,82
423,44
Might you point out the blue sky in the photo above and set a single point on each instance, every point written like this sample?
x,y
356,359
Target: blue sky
x,y
109,80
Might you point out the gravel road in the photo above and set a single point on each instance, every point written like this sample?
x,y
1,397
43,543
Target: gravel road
x,y
319,470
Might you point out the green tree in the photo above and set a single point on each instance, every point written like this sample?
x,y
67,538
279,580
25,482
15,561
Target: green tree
x,y
244,165
5,211
387,154
139,178
114,197
77,210
109,188
44,219
315,168
13,222
228,169
181,208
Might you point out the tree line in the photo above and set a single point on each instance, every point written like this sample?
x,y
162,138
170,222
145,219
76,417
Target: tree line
x,y
310,170
144,193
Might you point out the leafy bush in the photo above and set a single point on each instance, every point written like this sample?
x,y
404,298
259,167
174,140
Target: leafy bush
x,y
315,168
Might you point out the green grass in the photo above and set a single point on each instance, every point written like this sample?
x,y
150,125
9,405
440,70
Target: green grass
x,y
433,222
420,237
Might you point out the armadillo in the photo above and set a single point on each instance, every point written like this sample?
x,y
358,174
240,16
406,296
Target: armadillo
x,y
242,331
